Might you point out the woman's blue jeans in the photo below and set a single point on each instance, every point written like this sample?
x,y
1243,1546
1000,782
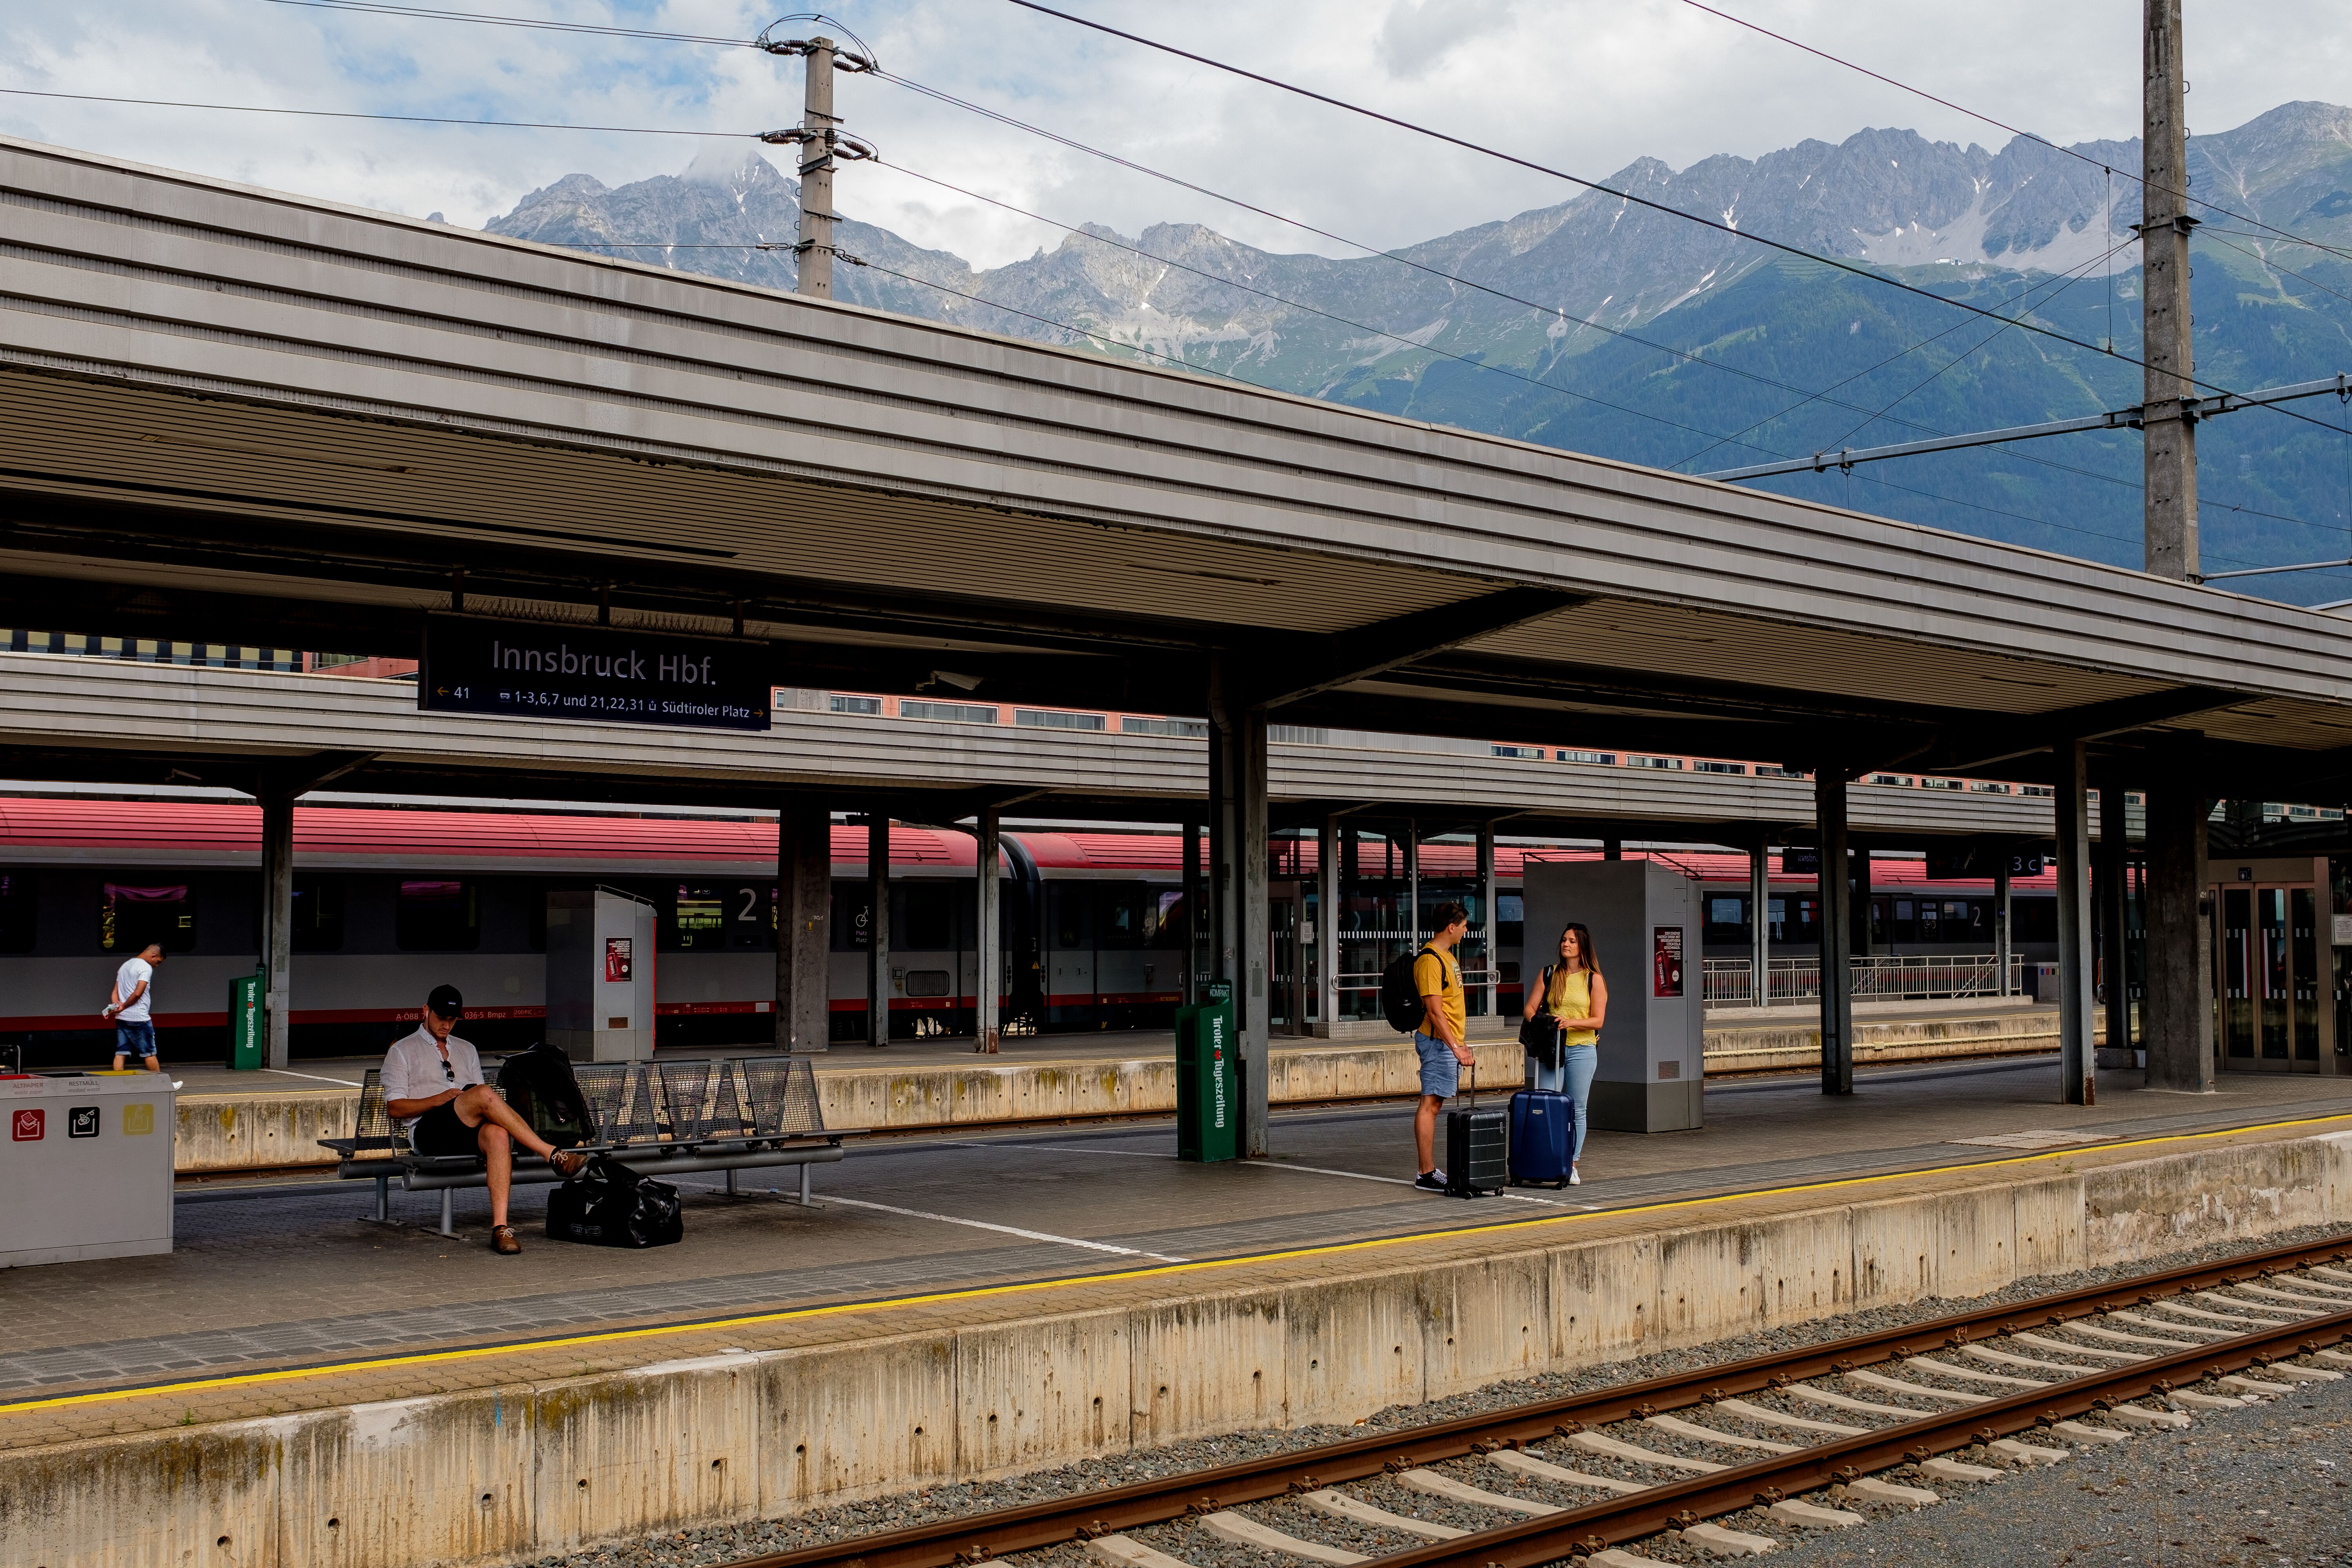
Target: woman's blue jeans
x,y
1573,1077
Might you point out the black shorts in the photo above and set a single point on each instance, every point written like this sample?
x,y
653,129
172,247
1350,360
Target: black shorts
x,y
438,1131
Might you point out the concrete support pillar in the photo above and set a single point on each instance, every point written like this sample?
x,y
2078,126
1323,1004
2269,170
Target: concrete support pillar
x,y
2076,1083
1836,888
2111,885
1487,914
1327,900
987,931
877,932
1220,828
2176,1014
1413,934
803,926
1759,924
277,929
2001,948
1196,917
1252,926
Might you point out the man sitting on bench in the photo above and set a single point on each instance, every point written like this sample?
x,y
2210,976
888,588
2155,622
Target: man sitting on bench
x,y
433,1086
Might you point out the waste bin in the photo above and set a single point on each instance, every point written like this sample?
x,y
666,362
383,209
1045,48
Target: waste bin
x,y
245,1024
1208,1094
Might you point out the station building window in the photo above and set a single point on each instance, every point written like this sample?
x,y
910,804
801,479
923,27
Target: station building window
x,y
868,705
129,918
1670,764
1765,770
438,915
947,713
1054,719
1295,735
318,914
1136,724
18,924
1524,754
1596,759
1740,768
1901,780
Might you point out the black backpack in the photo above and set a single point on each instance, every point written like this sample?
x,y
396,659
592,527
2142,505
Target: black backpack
x,y
1401,997
612,1206
539,1085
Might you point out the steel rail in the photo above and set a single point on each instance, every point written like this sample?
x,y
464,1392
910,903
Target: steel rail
x,y
978,1537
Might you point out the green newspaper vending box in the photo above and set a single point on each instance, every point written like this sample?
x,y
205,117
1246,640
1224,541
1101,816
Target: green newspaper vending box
x,y
1208,1083
245,1024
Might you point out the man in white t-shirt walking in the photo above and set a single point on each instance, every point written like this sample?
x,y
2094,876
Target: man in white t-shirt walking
x,y
134,1019
433,1086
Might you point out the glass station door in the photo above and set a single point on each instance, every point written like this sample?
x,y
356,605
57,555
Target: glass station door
x,y
2270,978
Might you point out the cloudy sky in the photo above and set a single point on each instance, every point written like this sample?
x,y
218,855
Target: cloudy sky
x,y
1588,85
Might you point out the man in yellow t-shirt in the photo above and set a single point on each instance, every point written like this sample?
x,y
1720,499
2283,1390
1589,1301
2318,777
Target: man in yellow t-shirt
x,y
1437,976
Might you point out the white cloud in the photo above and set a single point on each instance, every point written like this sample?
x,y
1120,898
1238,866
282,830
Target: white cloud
x,y
1588,85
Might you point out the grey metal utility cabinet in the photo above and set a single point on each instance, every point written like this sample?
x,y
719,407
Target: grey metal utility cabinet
x,y
1645,920
599,975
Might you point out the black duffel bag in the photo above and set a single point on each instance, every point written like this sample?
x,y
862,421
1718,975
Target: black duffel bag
x,y
611,1205
1543,1036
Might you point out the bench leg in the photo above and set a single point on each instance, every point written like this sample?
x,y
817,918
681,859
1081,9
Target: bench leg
x,y
804,1186
447,1228
383,1200
730,1183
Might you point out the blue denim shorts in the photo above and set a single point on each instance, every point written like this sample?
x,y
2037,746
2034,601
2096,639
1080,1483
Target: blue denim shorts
x,y
1441,1072
135,1038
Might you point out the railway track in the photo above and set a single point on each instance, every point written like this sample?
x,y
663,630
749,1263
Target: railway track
x,y
1949,1403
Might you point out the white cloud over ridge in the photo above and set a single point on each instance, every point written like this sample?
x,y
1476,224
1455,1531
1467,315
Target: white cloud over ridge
x,y
1589,85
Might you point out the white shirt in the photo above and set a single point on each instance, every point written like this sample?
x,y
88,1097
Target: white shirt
x,y
411,1068
126,980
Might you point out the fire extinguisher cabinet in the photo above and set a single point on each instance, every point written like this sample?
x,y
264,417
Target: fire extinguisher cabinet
x,y
599,975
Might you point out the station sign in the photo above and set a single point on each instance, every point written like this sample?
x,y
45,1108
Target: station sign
x,y
610,675
1979,862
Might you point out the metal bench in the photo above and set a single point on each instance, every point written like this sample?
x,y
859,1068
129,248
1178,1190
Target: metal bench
x,y
660,1119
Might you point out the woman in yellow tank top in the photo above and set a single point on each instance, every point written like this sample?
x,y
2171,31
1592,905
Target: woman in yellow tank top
x,y
1573,992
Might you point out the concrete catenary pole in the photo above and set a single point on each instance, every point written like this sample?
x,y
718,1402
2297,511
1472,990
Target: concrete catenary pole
x,y
2170,530
819,121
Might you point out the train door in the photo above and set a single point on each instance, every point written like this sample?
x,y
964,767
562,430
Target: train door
x,y
1286,971
2270,978
1070,998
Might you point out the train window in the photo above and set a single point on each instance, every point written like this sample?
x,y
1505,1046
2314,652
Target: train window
x,y
318,914
129,918
1069,927
752,915
926,913
438,916
1510,919
926,983
1727,917
1906,921
697,921
2033,919
1167,920
18,926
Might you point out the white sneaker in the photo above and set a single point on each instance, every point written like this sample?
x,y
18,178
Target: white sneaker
x,y
1575,1177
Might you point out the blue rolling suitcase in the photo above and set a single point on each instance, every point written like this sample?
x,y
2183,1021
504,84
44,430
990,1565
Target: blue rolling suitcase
x,y
1543,1138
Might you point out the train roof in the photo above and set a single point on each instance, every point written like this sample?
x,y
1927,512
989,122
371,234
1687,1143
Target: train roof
x,y
39,830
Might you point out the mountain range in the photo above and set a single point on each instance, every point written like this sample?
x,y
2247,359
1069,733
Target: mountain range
x,y
1603,326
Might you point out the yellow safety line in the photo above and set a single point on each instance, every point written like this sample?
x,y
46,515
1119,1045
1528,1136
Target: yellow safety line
x,y
615,1336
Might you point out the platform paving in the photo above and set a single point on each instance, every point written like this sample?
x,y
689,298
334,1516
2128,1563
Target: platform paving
x,y
283,1273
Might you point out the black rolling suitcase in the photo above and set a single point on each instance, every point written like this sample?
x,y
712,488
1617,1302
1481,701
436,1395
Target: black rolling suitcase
x,y
1476,1152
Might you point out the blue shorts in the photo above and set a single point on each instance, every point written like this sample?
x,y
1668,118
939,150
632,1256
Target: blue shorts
x,y
1440,1070
135,1038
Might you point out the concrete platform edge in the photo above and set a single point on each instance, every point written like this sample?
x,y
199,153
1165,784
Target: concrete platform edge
x,y
909,1393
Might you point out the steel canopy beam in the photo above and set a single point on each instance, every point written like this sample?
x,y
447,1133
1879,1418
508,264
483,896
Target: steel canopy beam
x,y
1301,669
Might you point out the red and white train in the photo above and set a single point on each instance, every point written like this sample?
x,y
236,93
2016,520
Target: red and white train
x,y
391,902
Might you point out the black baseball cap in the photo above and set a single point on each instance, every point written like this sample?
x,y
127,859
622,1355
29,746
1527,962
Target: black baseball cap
x,y
445,1001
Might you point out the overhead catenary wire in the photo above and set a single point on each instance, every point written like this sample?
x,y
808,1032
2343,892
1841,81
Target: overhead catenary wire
x,y
357,114
1700,219
1978,114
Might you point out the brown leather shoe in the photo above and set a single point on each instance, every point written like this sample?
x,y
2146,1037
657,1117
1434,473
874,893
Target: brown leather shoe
x,y
503,1240
567,1162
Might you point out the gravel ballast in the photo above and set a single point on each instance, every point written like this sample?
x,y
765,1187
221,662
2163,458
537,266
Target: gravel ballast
x,y
701,1548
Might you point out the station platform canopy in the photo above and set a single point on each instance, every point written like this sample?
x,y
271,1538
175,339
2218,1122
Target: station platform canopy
x,y
226,412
